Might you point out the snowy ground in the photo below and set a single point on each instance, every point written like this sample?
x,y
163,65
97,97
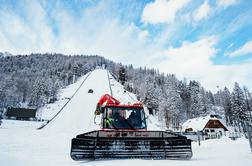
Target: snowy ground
x,y
64,96
12,124
51,145
32,147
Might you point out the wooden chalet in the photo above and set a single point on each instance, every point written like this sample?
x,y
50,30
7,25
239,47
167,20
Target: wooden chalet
x,y
211,127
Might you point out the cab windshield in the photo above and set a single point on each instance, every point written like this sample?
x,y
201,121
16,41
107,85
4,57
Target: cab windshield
x,y
124,118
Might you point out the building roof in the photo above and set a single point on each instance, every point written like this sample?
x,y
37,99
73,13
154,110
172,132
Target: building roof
x,y
21,112
198,124
215,123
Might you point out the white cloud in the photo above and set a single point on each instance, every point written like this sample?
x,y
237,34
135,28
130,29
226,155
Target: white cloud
x,y
190,58
193,60
126,43
202,12
243,50
103,35
162,11
226,3
18,36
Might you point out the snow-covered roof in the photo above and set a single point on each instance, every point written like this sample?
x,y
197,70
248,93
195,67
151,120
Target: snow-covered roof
x,y
197,124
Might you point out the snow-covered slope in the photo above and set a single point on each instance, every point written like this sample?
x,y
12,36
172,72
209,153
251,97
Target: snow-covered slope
x,y
16,124
49,110
75,103
119,93
51,145
64,95
77,116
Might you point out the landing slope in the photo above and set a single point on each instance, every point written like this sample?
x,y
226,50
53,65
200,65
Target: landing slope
x,y
51,145
78,114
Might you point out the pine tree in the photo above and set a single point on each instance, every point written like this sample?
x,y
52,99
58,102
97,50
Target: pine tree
x,y
173,103
210,97
197,105
122,75
151,96
227,106
248,101
238,106
186,97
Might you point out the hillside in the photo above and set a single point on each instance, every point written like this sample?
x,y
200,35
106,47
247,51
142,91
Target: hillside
x,y
51,145
35,80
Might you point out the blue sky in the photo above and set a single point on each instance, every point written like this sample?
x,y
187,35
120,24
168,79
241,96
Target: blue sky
x,y
206,40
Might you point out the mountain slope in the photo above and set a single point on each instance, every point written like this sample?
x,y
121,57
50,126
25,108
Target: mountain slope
x,y
51,145
78,113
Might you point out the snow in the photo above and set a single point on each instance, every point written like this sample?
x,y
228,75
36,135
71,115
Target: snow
x,y
197,124
33,147
78,115
154,124
223,151
64,96
120,94
10,124
51,145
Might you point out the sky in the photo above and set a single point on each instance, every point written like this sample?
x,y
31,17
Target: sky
x,y
206,40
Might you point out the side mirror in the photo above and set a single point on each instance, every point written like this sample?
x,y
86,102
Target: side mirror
x,y
98,119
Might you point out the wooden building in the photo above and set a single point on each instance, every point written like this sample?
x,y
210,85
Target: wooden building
x,y
211,127
21,113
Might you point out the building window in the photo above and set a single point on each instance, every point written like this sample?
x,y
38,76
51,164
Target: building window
x,y
212,130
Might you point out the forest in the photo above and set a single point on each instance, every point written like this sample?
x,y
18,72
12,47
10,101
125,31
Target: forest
x,y
34,80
